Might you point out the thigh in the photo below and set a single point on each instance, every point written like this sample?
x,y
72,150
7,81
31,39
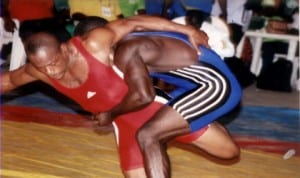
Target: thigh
x,y
217,141
166,124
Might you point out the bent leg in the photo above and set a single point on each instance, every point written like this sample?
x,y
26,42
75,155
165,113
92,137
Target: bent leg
x,y
218,142
152,137
125,128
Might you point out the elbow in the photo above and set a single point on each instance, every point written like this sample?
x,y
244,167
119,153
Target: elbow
x,y
145,98
5,88
6,84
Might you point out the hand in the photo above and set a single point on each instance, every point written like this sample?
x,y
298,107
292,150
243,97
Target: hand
x,y
103,119
9,25
103,123
198,37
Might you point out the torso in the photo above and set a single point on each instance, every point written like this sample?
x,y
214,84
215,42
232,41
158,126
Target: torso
x,y
158,60
77,73
90,81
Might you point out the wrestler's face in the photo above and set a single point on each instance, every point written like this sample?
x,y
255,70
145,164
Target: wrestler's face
x,y
50,62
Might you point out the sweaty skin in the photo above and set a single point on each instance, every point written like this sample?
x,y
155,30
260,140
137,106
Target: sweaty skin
x,y
99,42
153,54
49,59
137,56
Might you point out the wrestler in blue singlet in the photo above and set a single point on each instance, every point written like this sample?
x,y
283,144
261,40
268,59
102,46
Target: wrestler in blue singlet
x,y
204,91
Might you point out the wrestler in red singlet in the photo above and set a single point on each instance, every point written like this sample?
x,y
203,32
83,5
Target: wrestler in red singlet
x,y
103,90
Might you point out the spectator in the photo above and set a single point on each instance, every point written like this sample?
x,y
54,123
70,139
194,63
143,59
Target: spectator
x,y
33,16
30,9
156,7
236,16
107,9
179,8
132,7
216,29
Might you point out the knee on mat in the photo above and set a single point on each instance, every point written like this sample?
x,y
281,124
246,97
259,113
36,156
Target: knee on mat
x,y
230,151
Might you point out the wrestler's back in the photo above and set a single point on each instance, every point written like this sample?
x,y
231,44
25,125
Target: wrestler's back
x,y
157,51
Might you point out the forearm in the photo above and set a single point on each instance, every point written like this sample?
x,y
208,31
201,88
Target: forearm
x,y
13,79
140,87
132,103
158,23
120,28
129,104
6,84
145,22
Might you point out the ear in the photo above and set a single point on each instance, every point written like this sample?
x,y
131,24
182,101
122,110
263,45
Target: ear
x,y
63,47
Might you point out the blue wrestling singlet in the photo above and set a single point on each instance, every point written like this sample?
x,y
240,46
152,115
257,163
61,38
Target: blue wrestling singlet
x,y
205,91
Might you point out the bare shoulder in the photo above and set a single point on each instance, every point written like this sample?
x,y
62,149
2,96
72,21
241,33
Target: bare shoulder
x,y
99,43
99,37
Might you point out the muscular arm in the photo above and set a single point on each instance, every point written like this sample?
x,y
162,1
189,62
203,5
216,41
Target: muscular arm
x,y
13,79
122,27
100,41
140,88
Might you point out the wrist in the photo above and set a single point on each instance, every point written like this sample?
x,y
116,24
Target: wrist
x,y
190,29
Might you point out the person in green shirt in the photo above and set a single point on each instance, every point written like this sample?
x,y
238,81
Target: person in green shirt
x,y
132,7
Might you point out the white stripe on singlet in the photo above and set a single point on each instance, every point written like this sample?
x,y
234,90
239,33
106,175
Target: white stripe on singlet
x,y
116,130
160,99
212,85
118,71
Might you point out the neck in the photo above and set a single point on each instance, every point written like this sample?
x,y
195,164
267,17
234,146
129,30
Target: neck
x,y
72,55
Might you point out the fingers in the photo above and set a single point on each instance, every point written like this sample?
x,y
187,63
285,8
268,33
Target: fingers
x,y
195,45
204,39
199,37
101,121
103,129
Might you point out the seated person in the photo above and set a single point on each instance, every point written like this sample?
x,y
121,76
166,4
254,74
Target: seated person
x,y
216,29
130,8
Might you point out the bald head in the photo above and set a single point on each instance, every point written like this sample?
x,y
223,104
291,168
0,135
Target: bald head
x,y
40,41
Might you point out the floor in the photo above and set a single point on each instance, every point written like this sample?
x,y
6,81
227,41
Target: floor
x,y
258,97
34,149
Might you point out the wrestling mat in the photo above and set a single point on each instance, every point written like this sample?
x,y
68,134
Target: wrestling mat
x,y
45,135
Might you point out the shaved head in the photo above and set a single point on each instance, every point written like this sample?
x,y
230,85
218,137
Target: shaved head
x,y
40,40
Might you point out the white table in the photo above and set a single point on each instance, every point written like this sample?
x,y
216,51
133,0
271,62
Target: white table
x,y
258,36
